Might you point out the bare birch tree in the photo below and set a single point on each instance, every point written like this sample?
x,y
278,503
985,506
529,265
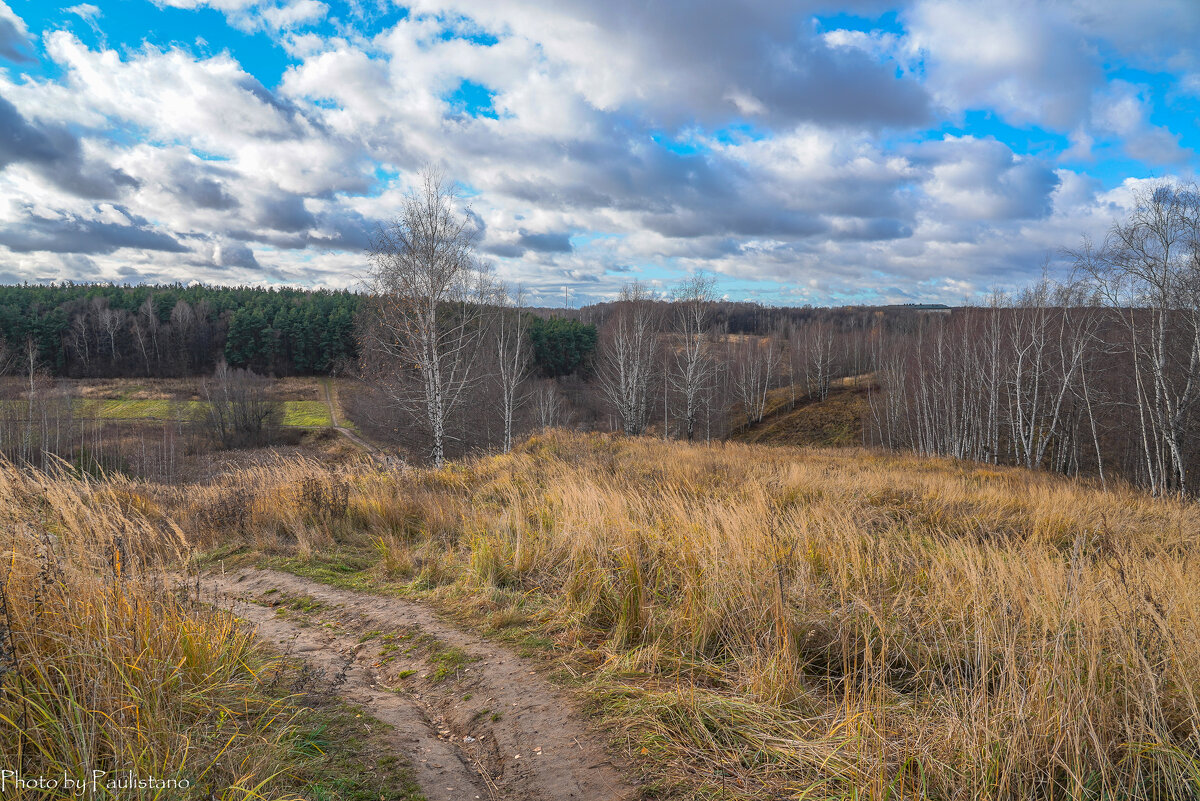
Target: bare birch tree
x,y
512,355
1148,271
692,366
1048,358
548,401
627,358
428,295
812,346
78,338
754,366
111,321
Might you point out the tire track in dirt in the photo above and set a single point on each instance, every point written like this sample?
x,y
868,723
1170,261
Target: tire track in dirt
x,y
473,718
341,429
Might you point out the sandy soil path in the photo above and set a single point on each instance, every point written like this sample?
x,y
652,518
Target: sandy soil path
x,y
341,429
473,718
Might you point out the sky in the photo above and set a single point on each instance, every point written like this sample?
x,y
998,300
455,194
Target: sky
x,y
800,152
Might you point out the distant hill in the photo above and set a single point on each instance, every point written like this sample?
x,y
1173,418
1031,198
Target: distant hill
x,y
836,421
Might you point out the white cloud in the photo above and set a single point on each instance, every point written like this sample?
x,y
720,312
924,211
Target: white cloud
x,y
219,5
708,60
1024,59
1123,110
983,180
14,35
607,155
295,13
85,11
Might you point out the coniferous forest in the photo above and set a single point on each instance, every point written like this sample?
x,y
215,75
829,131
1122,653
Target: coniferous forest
x,y
91,330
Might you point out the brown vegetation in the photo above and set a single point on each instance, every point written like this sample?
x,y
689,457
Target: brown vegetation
x,y
103,667
836,421
814,623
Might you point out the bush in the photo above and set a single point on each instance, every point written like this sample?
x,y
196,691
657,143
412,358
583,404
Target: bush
x,y
239,410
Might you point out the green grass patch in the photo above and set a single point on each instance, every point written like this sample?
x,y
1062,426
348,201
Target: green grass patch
x,y
347,570
119,409
297,414
305,603
306,414
448,663
346,759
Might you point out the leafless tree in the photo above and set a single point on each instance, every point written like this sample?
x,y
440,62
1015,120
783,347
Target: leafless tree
x,y
239,408
888,393
428,299
147,319
184,323
692,367
627,358
31,361
78,338
818,339
141,335
754,366
548,401
1148,271
512,355
111,321
990,347
1049,349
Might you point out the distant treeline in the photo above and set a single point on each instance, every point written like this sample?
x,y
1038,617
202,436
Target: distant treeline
x,y
754,319
105,330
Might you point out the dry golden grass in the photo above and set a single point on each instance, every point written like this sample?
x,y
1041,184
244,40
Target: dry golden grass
x,y
811,623
834,422
104,667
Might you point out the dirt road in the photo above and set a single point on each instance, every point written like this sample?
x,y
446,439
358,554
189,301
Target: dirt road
x,y
473,718
341,429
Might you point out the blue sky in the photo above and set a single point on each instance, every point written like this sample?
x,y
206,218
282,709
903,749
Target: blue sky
x,y
802,152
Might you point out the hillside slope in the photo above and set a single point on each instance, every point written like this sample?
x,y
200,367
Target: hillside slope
x,y
765,622
750,622
836,421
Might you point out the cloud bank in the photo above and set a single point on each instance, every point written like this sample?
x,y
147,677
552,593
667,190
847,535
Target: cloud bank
x,y
927,150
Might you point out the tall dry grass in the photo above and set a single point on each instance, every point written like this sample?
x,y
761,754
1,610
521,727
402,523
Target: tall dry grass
x,y
810,623
105,667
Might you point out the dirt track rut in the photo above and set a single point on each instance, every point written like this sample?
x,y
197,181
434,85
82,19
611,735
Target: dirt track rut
x,y
473,718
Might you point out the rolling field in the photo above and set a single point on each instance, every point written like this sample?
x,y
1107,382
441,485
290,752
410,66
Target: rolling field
x,y
300,414
782,622
836,421
749,622
303,400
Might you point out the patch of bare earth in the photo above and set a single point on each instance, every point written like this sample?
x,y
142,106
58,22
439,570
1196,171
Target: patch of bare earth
x,y
473,718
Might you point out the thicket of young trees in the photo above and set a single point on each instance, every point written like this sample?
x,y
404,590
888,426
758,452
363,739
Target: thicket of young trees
x,y
672,365
103,330
1098,374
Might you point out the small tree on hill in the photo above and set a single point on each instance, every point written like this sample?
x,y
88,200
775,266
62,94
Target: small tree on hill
x,y
512,355
428,295
693,365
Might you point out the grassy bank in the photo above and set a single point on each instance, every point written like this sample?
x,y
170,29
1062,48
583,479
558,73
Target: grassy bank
x,y
109,669
813,623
